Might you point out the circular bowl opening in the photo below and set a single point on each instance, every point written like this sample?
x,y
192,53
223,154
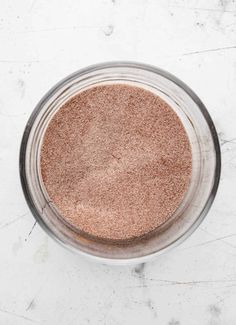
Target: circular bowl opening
x,y
205,161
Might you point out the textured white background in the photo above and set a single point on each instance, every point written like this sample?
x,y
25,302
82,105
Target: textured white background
x,y
40,43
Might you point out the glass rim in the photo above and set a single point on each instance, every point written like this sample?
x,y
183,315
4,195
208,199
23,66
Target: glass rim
x,y
101,66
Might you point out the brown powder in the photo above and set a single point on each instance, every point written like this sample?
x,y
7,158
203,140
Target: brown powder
x,y
116,161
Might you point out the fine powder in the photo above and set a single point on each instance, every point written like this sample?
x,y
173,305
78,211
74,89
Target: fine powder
x,y
116,161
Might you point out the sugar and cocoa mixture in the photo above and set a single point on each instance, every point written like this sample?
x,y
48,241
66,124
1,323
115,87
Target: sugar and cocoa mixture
x,y
116,161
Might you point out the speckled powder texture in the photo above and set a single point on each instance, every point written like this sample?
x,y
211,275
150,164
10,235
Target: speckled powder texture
x,y
116,161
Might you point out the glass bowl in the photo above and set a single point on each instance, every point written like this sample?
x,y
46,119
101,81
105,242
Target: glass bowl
x,y
206,161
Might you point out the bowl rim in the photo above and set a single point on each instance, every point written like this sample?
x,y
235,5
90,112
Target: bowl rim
x,y
101,66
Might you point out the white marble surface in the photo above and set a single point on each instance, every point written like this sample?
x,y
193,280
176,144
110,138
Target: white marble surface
x,y
43,41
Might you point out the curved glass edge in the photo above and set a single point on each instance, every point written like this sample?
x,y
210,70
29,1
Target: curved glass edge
x,y
100,66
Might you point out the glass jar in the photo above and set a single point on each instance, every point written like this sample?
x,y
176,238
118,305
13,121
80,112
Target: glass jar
x,y
206,161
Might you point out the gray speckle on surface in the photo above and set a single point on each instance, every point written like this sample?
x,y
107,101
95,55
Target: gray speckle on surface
x,y
21,87
224,3
200,25
151,307
214,310
31,305
108,30
214,313
139,269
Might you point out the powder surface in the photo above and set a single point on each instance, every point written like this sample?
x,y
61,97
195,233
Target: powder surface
x,y
116,161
